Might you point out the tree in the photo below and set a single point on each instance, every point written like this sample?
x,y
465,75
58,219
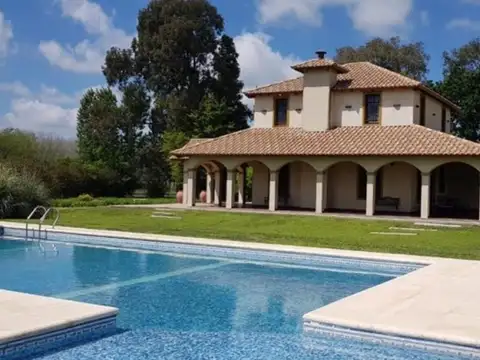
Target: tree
x,y
189,67
409,59
460,84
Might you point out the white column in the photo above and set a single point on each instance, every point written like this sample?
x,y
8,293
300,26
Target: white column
x,y
191,191
425,196
185,188
273,191
230,189
320,193
209,188
241,188
371,182
216,195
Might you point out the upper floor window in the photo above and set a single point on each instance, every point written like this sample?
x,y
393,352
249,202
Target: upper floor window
x,y
444,119
423,109
372,108
281,112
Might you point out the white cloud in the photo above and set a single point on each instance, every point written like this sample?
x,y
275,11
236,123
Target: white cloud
x,y
6,35
48,111
15,88
38,116
465,24
259,63
372,17
88,55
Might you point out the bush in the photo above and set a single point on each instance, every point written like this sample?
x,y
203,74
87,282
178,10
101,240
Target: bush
x,y
20,192
85,198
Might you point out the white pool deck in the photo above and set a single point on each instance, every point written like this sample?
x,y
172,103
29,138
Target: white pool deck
x,y
439,302
25,315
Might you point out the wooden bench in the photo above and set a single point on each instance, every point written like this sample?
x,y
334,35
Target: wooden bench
x,y
389,202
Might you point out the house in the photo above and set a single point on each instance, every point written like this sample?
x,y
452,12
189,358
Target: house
x,y
352,138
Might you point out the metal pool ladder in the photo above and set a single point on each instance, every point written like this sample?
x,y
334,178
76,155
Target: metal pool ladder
x,y
40,231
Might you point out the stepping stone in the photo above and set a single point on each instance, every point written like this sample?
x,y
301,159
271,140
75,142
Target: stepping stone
x,y
394,233
438,225
410,229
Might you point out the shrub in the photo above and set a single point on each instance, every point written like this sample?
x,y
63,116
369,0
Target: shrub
x,y
20,192
85,198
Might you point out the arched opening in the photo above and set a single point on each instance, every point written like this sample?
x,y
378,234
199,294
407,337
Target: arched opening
x,y
209,183
252,182
296,186
454,191
397,189
346,187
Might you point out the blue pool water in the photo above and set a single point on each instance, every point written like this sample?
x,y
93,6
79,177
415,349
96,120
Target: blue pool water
x,y
179,306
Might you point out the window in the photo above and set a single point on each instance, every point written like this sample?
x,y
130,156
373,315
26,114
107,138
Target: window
x,y
444,119
372,108
422,110
281,112
361,183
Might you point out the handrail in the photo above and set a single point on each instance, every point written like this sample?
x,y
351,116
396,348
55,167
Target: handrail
x,y
42,219
39,207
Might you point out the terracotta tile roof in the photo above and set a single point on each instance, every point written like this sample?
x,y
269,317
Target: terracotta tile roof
x,y
360,76
319,64
371,140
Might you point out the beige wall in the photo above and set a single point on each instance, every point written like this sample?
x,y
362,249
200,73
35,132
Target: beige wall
x,y
316,100
302,185
400,115
400,181
260,183
433,113
264,111
342,187
341,116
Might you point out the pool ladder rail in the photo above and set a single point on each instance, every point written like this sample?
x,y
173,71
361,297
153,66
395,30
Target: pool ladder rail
x,y
41,231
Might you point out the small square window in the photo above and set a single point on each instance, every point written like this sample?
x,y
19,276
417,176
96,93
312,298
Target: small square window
x,y
281,112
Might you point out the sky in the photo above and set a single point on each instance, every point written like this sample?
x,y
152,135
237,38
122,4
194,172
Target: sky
x,y
51,51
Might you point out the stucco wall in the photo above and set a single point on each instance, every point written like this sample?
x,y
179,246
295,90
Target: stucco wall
x,y
433,113
400,115
302,185
264,111
260,183
342,187
399,181
316,100
341,116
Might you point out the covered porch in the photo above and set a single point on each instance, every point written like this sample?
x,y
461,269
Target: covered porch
x,y
424,187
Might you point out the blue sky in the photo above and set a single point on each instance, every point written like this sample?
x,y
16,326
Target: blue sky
x,y
51,53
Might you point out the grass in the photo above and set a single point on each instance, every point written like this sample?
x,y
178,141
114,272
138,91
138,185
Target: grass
x,y
107,201
314,231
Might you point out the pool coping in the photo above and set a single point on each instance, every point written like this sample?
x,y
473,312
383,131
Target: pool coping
x,y
310,319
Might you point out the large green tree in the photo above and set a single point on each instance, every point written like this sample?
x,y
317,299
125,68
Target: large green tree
x,y
409,59
188,65
460,84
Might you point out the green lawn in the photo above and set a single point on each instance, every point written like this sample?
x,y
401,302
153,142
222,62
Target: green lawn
x,y
295,230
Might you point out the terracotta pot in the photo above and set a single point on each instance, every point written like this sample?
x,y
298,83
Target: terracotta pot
x,y
180,197
203,196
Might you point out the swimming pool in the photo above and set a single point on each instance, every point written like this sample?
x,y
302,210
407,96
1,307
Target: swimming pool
x,y
193,302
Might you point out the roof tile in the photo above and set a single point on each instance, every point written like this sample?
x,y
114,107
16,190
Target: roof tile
x,y
319,64
371,140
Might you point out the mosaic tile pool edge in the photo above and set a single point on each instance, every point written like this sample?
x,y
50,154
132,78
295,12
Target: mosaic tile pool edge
x,y
391,267
58,339
314,328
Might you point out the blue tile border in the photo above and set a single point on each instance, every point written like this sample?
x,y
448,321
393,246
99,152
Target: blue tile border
x,y
59,339
391,268
314,328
